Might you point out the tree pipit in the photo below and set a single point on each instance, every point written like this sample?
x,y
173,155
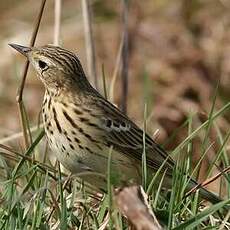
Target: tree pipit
x,y
82,127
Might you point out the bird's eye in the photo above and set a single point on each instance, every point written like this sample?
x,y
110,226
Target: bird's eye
x,y
42,65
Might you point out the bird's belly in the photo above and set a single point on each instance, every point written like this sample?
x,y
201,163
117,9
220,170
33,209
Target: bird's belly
x,y
81,150
91,163
69,158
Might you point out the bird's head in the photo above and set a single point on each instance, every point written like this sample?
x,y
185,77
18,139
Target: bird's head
x,y
58,68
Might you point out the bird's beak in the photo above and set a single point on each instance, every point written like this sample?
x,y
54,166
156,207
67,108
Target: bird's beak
x,y
21,49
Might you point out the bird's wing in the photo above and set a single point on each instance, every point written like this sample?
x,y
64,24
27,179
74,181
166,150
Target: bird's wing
x,y
127,137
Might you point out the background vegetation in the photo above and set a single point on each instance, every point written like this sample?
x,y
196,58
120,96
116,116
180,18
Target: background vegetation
x,y
178,65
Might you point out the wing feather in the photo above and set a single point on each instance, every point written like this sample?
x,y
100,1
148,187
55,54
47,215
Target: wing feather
x,y
125,136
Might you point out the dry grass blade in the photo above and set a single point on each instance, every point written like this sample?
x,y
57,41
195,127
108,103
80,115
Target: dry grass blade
x,y
115,72
27,158
225,221
90,50
57,22
17,135
105,222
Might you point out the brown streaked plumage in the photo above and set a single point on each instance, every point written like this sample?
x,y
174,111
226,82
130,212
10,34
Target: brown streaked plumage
x,y
81,125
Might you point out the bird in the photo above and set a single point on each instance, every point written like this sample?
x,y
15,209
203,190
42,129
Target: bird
x,y
83,128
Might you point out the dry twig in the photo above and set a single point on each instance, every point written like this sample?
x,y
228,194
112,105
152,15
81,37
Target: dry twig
x,y
22,84
208,181
132,202
124,70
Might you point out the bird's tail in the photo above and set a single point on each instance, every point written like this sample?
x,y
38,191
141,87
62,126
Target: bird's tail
x,y
204,193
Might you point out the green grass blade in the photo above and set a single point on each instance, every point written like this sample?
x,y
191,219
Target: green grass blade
x,y
193,222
